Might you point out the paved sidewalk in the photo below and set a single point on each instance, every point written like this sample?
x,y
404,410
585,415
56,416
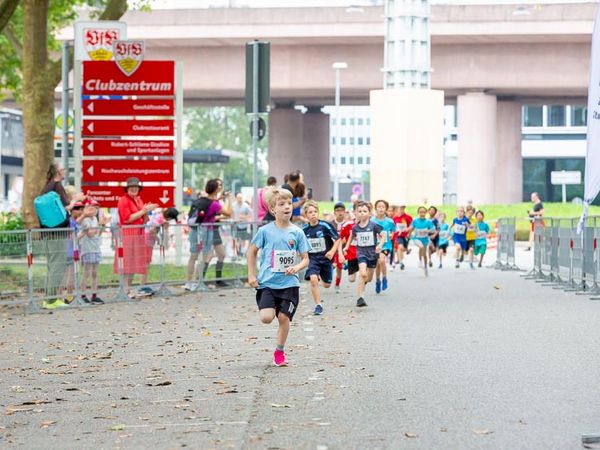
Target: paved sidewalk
x,y
462,359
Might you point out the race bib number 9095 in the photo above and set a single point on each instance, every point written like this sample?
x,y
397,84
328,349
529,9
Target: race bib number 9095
x,y
282,260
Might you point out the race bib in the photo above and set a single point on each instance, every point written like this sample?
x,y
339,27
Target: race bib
x,y
444,234
481,235
365,239
472,227
282,259
422,233
401,227
317,245
459,229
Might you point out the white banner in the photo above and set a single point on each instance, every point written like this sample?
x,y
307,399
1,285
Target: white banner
x,y
592,159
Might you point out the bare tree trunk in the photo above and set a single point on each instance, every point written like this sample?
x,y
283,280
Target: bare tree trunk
x,y
38,105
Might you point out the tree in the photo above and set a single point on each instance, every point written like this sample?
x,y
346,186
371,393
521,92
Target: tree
x,y
27,69
222,128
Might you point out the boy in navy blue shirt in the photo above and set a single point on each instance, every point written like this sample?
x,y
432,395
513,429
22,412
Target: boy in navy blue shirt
x,y
277,286
324,241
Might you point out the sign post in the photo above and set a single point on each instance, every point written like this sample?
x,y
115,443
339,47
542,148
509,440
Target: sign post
x,y
563,178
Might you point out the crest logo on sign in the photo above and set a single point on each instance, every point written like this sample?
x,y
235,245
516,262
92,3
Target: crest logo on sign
x,y
99,42
128,55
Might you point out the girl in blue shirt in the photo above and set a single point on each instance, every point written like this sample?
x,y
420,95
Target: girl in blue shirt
x,y
422,229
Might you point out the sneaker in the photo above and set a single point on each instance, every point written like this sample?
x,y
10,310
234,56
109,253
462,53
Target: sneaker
x,y
222,283
279,358
53,304
189,286
377,286
457,265
462,257
471,266
147,289
401,266
384,284
337,289
318,310
361,302
430,264
479,265
85,299
527,249
68,299
440,266
97,301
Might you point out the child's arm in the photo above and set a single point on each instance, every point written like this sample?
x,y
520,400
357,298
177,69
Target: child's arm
x,y
251,258
298,267
382,241
336,245
348,242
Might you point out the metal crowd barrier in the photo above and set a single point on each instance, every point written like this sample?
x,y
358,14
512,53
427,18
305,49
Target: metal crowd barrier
x,y
40,266
505,249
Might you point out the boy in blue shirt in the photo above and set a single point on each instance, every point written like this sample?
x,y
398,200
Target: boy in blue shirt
x,y
444,237
389,228
277,286
422,229
324,241
459,232
481,236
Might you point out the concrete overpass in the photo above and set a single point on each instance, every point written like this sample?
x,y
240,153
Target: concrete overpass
x,y
487,58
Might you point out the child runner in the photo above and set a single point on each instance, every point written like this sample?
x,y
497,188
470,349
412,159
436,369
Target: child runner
x,y
391,213
481,236
435,237
347,255
366,232
471,234
444,237
388,226
339,220
422,229
90,240
277,286
324,241
459,230
403,222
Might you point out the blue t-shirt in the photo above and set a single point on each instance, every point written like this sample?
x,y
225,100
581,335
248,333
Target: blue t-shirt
x,y
460,228
279,248
389,227
366,239
422,229
444,234
481,234
320,237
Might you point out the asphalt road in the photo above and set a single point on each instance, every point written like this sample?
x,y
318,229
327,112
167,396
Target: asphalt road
x,y
461,360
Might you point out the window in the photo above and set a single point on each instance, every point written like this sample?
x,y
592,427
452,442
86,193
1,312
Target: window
x,y
333,140
343,142
352,121
351,141
351,160
556,116
360,121
578,116
333,160
368,141
360,141
343,160
343,122
368,160
360,160
533,116
368,121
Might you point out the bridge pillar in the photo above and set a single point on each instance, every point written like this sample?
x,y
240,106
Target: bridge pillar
x,y
477,122
509,162
300,142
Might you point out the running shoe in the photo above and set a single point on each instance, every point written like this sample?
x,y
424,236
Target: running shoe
x,y
471,266
222,283
279,358
377,286
337,289
462,257
318,310
384,285
457,265
53,304
440,266
479,265
145,291
401,266
430,264
97,301
85,299
361,302
68,299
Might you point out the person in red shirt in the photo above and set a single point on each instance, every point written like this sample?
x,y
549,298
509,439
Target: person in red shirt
x,y
403,223
350,256
133,211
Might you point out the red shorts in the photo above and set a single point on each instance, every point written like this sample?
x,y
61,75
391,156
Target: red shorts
x,y
336,261
533,225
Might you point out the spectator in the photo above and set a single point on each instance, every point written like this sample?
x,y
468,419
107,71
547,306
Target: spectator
x,y
264,214
133,213
157,221
241,213
298,190
90,248
535,215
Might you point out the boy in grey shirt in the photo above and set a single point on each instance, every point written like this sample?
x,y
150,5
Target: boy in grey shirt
x,y
90,241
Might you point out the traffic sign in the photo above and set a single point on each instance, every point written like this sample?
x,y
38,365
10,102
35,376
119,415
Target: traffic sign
x,y
105,170
123,147
151,78
108,196
565,177
262,128
98,127
149,107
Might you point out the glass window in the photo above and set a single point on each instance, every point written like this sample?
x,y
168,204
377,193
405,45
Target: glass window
x,y
343,122
368,141
351,141
360,141
368,160
343,141
578,116
352,121
368,121
333,160
333,140
343,160
533,116
360,160
333,122
556,116
351,160
360,121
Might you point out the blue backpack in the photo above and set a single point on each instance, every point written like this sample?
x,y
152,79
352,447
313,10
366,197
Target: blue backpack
x,y
50,210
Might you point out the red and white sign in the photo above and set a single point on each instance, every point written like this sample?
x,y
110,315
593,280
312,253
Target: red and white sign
x,y
128,55
117,147
103,170
98,127
108,196
151,78
149,107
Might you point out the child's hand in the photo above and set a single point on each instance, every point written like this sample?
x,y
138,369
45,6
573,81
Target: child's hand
x,y
291,270
378,249
252,282
329,255
342,258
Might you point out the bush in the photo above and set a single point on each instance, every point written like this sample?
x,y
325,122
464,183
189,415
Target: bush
x,y
12,243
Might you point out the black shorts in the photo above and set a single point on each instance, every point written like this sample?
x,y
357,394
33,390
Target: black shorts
x,y
443,248
217,240
282,300
435,242
403,242
386,252
320,266
470,245
371,263
352,266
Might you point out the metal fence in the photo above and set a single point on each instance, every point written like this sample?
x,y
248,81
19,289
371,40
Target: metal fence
x,y
50,268
506,232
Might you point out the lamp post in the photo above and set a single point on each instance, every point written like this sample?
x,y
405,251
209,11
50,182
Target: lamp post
x,y
337,66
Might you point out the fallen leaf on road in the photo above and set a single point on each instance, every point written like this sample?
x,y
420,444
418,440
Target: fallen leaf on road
x,y
206,333
164,383
10,410
444,430
281,405
411,435
118,427
105,417
230,391
482,431
47,423
496,287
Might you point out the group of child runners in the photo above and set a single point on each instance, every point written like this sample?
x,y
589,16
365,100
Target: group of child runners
x,y
364,241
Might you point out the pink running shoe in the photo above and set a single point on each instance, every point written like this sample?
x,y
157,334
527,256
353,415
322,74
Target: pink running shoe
x,y
279,358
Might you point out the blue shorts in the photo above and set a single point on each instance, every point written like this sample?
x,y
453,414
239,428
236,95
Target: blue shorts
x,y
320,266
371,263
424,241
206,239
462,242
91,258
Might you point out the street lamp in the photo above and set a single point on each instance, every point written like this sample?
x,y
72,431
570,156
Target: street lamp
x,y
337,66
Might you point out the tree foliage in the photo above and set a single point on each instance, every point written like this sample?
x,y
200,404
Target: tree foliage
x,y
222,128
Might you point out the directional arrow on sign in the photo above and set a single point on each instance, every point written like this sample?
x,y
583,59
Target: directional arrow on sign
x,y
90,107
90,147
90,127
165,198
91,171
